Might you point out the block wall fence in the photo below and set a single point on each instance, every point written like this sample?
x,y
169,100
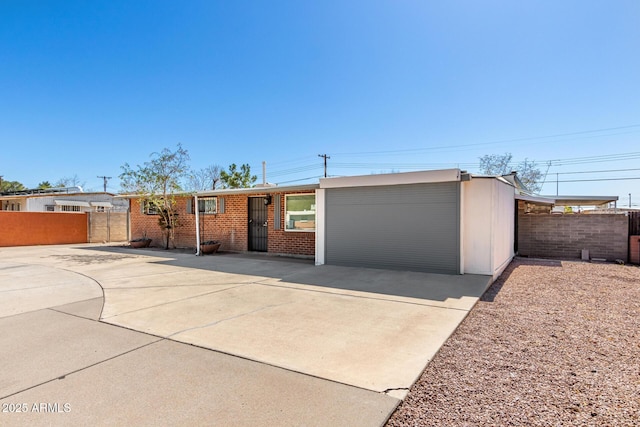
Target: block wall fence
x,y
565,236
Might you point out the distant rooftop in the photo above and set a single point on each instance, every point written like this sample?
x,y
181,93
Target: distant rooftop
x,y
55,190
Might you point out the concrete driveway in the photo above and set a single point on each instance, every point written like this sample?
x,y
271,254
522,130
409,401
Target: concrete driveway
x,y
292,343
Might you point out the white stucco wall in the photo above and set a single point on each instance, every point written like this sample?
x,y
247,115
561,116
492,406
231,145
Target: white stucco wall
x,y
503,226
38,203
487,226
321,229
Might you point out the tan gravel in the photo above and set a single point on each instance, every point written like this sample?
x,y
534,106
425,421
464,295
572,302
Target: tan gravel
x,y
551,343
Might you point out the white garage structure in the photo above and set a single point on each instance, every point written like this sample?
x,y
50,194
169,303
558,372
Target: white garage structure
x,y
442,221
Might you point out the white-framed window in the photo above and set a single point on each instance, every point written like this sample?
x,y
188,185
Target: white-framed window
x,y
208,205
50,208
100,209
300,212
67,208
148,208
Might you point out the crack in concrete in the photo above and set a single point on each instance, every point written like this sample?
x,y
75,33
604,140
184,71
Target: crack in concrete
x,y
226,319
169,302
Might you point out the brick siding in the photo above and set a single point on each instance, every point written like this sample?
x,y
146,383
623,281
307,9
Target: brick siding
x,y
634,249
564,236
230,227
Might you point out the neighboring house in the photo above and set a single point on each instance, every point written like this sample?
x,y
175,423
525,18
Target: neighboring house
x,y
442,221
69,199
41,217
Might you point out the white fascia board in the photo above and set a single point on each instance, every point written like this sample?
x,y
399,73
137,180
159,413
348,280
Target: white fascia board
x,y
421,177
535,199
72,203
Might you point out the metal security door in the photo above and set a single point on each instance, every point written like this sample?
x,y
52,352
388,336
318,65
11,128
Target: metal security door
x,y
257,224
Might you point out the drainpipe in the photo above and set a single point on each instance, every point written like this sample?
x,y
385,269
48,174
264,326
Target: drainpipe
x,y
197,225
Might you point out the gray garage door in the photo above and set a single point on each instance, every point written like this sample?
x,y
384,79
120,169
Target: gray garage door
x,y
406,227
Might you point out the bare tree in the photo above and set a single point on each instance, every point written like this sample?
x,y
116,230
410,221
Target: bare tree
x,y
501,164
157,182
70,181
530,175
207,178
496,164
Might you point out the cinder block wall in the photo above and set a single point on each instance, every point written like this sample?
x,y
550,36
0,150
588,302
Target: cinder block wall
x,y
564,236
230,227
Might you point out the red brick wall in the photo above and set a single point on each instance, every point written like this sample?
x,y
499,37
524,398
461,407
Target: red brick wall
x,y
42,228
634,249
230,227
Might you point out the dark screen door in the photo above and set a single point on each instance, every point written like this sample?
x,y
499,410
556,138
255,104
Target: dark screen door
x,y
257,224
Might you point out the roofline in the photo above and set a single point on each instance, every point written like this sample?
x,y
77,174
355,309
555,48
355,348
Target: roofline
x,y
597,198
60,194
257,190
535,199
418,177
233,191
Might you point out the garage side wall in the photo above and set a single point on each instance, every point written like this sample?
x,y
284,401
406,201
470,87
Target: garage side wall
x,y
488,226
406,227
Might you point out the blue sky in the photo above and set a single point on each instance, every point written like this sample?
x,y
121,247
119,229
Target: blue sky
x,y
86,86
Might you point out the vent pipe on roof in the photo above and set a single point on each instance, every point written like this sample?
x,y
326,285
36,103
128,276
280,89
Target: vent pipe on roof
x,y
264,177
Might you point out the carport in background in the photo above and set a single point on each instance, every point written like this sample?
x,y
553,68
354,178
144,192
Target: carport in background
x,y
408,227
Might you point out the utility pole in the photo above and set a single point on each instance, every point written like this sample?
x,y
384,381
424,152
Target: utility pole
x,y
325,163
629,200
557,181
104,180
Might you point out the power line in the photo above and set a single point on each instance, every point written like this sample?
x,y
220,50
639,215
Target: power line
x,y
601,171
599,179
584,132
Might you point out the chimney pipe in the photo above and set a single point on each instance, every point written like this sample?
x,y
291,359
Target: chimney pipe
x,y
264,172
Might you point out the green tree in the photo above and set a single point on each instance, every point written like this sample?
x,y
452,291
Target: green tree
x,y
501,164
157,182
237,179
11,186
44,185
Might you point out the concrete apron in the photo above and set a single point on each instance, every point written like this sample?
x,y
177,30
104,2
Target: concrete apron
x,y
372,329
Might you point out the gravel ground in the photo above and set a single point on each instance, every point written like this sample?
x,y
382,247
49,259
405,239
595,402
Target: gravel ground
x,y
551,343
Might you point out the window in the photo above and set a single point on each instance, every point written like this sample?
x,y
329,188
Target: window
x,y
100,209
67,208
50,208
208,205
300,212
148,208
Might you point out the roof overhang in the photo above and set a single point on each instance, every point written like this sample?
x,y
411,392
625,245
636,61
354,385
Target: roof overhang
x,y
72,203
540,200
232,191
258,190
583,200
101,204
421,177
